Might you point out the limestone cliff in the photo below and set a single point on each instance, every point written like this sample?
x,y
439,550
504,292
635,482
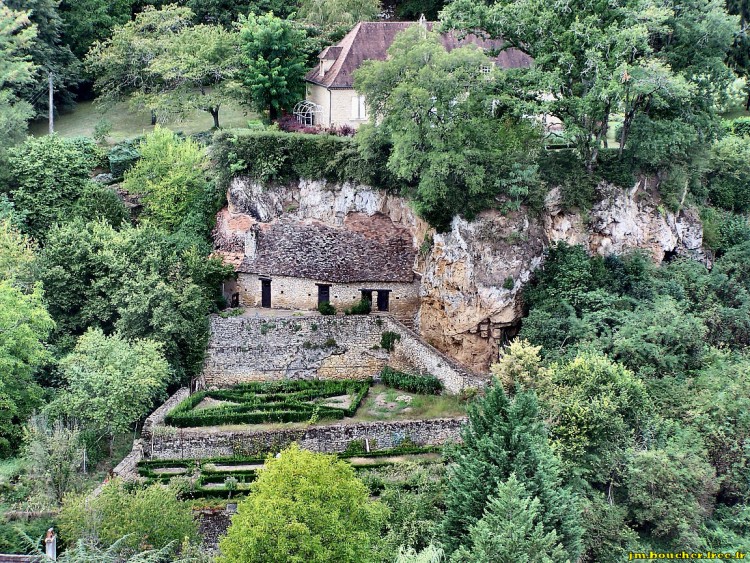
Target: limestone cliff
x,y
473,274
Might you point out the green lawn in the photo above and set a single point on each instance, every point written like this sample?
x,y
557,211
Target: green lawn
x,y
386,403
127,123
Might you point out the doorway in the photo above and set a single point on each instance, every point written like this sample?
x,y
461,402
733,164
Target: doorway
x,y
383,299
265,293
324,294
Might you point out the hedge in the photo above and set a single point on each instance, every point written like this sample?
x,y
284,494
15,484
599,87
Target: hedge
x,y
423,384
258,403
279,156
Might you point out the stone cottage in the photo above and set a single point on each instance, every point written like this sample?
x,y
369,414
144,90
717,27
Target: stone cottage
x,y
298,264
330,98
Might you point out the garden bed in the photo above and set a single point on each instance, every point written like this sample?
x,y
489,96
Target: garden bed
x,y
269,402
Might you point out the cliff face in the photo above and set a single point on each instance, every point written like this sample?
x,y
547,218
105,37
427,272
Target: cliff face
x,y
473,274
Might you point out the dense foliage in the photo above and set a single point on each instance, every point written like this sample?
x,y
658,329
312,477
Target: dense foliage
x,y
304,507
438,115
144,518
415,383
651,431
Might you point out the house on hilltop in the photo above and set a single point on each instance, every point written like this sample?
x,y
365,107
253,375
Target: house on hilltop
x,y
330,98
292,264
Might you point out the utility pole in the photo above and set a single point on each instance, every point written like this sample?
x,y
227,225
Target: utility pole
x,y
51,104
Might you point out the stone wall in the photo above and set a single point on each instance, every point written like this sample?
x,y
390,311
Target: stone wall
x,y
411,353
243,349
298,293
199,443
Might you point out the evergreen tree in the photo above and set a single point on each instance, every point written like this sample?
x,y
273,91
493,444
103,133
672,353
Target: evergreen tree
x,y
511,531
501,438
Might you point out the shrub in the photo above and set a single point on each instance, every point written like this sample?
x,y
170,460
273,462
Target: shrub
x,y
509,283
362,307
740,126
325,308
122,157
424,384
388,340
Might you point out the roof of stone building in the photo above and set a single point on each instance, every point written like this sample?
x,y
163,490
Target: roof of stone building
x,y
371,40
315,251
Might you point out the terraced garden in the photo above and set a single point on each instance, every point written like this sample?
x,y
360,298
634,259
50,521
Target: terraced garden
x,y
269,404
228,477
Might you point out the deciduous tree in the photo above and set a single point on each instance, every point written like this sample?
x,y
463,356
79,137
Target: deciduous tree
x,y
111,383
436,110
304,507
272,62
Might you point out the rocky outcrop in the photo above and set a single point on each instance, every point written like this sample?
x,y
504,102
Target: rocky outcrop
x,y
626,219
472,275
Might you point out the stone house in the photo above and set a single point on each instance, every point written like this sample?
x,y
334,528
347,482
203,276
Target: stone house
x,y
330,98
293,264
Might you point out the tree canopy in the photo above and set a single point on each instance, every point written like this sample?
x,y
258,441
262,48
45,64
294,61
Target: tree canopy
x,y
304,507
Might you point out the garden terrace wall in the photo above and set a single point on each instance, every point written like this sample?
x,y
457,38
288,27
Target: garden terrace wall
x,y
244,349
195,443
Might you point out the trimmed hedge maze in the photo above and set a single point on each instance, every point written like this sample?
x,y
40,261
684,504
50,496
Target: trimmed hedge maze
x,y
258,403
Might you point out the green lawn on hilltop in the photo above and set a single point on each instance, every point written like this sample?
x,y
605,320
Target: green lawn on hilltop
x,y
128,123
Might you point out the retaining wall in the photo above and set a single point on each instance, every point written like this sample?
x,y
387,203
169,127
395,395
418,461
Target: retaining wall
x,y
243,349
199,443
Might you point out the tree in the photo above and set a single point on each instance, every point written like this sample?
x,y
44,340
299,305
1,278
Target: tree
x,y
54,454
49,53
50,174
435,109
121,64
16,256
591,60
511,531
140,519
138,281
170,175
304,507
16,70
520,364
505,437
111,383
272,62
89,21
193,67
24,328
326,14
671,487
599,411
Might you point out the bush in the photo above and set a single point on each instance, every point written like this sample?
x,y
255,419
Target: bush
x,y
729,174
122,157
740,126
423,384
362,307
388,340
325,308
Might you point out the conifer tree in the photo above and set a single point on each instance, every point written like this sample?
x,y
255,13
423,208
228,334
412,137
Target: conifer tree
x,y
505,437
511,531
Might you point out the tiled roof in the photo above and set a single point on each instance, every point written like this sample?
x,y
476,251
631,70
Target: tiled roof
x,y
315,251
371,40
